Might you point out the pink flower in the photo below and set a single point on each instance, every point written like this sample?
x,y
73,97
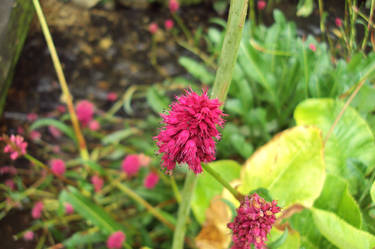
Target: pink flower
x,y
115,240
35,135
85,111
153,28
151,180
131,164
112,96
97,182
338,22
253,222
312,47
61,108
8,170
10,184
28,236
189,131
261,5
36,212
144,160
168,24
94,125
20,130
32,117
56,133
68,208
57,166
16,148
173,5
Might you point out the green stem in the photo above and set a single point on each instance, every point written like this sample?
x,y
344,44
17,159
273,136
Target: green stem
x,y
183,211
222,181
182,26
228,56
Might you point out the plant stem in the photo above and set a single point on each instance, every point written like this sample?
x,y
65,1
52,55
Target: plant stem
x,y
369,26
62,80
228,56
125,189
183,210
182,26
222,181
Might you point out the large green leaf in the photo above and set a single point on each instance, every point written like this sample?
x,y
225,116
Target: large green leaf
x,y
55,123
207,187
198,70
290,166
340,233
336,198
83,238
90,211
351,137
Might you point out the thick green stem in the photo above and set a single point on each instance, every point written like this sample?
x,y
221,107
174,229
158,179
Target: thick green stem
x,y
183,211
228,56
222,181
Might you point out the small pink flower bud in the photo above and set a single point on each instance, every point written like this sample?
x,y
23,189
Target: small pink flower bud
x,y
8,170
173,5
61,108
10,184
338,22
32,117
57,166
130,165
36,212
116,240
85,111
17,147
28,236
153,28
168,24
20,130
94,125
35,135
312,47
68,208
151,180
56,133
112,96
261,5
97,182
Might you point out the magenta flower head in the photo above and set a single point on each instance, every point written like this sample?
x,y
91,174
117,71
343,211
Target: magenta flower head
x,y
338,22
189,131
28,236
173,5
112,96
168,24
131,165
151,180
35,135
56,133
57,166
153,28
312,47
94,125
85,111
97,182
32,117
36,212
261,5
115,240
68,208
253,222
16,148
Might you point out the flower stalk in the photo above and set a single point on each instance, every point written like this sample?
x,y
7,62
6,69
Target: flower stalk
x,y
60,75
232,39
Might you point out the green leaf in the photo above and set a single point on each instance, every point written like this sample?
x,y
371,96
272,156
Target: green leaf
x,y
284,240
304,7
81,239
207,187
340,233
351,137
198,70
290,166
336,198
94,166
55,123
373,192
90,211
156,101
117,136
